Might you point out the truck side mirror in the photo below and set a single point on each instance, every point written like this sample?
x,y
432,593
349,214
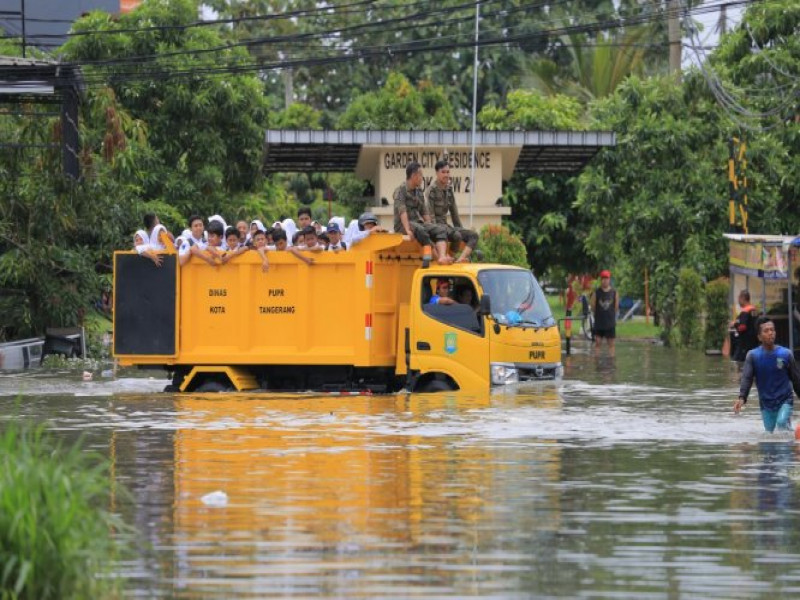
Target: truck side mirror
x,y
486,305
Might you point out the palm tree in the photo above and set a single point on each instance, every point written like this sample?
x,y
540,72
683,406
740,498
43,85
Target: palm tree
x,y
594,68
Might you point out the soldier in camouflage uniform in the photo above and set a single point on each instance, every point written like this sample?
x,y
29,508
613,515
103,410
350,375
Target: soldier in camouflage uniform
x,y
442,200
411,215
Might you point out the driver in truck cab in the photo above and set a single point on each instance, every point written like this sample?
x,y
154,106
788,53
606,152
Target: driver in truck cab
x,y
442,295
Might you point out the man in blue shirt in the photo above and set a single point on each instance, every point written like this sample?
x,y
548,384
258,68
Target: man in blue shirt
x,y
776,373
442,295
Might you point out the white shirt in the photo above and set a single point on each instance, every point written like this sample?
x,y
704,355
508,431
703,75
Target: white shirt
x,y
186,246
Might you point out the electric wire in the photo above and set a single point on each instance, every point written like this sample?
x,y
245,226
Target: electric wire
x,y
734,109
163,69
400,48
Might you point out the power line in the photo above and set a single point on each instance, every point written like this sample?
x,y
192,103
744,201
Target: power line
x,y
326,10
366,53
403,46
195,24
733,107
362,53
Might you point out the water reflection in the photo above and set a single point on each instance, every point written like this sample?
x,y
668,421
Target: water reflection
x,y
775,485
630,479
322,501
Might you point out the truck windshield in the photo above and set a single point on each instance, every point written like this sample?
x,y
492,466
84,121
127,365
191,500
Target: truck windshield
x,y
516,298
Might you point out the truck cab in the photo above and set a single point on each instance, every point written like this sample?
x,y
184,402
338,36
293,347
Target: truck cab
x,y
498,330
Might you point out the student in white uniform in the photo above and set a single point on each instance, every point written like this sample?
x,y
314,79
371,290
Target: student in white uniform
x,y
244,231
335,243
309,244
213,252
303,217
367,225
289,226
255,225
279,241
141,243
158,236
235,247
195,243
221,221
260,246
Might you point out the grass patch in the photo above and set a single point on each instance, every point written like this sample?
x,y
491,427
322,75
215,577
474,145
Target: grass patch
x,y
55,539
636,328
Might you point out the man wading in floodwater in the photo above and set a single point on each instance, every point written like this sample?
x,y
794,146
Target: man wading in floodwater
x,y
776,373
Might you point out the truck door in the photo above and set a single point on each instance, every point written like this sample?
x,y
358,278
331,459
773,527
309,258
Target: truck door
x,y
145,306
447,336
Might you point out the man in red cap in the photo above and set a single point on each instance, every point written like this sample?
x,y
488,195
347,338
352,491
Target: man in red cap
x,y
605,306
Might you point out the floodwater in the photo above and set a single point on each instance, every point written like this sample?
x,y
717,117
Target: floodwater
x,y
630,479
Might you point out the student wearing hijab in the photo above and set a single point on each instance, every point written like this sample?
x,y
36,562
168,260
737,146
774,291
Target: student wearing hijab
x,y
158,236
141,243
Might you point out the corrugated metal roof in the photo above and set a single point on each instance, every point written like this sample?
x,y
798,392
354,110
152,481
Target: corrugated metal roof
x,y
338,151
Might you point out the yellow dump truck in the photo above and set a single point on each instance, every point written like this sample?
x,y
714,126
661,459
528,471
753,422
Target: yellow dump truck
x,y
354,321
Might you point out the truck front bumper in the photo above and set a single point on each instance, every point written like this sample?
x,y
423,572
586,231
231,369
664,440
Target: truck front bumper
x,y
508,373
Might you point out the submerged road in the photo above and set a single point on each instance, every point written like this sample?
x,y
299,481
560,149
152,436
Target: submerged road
x,y
630,479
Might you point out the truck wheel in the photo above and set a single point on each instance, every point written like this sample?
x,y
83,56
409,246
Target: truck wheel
x,y
212,386
435,385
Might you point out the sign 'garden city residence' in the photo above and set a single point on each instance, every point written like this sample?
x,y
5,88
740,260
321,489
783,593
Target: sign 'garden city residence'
x,y
380,158
482,186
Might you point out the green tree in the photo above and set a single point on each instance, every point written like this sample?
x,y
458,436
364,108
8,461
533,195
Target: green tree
x,y
56,234
334,55
542,211
691,303
526,110
593,69
659,199
206,131
717,313
296,116
161,136
400,105
499,245
656,200
758,64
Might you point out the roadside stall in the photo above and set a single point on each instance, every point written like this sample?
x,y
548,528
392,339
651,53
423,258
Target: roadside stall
x,y
767,266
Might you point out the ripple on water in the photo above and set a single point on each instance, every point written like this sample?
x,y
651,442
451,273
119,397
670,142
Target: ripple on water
x,y
627,480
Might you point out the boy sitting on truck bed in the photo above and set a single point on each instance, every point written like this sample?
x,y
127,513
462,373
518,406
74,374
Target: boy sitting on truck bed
x,y
279,240
235,246
195,243
309,244
213,252
259,240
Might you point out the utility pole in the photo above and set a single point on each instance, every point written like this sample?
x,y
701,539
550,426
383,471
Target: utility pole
x,y
24,36
722,22
674,36
475,65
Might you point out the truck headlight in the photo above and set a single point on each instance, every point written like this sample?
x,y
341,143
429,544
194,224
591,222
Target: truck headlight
x,y
504,373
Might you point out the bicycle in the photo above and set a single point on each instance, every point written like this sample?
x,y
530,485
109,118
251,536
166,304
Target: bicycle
x,y
587,320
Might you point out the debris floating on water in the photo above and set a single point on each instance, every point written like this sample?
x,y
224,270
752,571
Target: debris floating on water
x,y
87,375
218,498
